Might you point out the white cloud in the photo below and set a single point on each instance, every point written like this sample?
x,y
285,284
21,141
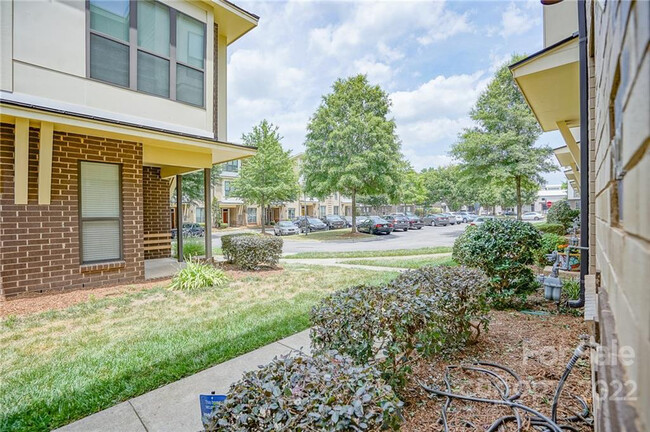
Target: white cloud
x,y
516,21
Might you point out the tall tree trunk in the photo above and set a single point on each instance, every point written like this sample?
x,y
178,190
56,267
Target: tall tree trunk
x,y
354,211
518,182
263,207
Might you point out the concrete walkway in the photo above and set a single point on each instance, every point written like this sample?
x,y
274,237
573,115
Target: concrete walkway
x,y
175,407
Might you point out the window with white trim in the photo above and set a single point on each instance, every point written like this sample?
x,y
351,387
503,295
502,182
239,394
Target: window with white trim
x,y
147,46
291,213
100,212
251,215
227,188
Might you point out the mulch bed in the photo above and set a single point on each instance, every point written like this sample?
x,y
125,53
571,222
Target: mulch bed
x,y
537,347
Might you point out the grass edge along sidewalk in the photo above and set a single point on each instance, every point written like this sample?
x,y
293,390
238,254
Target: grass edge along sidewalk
x,y
371,254
61,365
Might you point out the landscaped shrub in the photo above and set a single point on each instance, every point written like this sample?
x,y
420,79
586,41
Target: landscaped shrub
x,y
250,252
226,245
198,275
553,228
327,392
549,243
426,310
561,213
504,249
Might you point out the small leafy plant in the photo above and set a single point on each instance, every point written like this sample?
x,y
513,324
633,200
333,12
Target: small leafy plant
x,y
561,213
198,275
328,392
549,243
571,289
503,249
551,228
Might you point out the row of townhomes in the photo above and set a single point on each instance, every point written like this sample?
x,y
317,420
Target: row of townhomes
x,y
591,82
104,105
236,212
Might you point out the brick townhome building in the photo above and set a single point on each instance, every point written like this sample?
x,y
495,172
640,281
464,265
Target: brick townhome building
x,y
104,105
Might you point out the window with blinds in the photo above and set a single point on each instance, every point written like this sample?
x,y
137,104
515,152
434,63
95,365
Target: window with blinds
x,y
100,212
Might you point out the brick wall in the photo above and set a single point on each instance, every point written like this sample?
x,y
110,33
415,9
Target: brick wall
x,y
620,39
39,244
157,219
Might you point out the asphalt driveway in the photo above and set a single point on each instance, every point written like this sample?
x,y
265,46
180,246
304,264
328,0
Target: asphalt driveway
x,y
426,237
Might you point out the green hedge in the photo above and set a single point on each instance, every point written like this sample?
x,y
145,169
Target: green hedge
x,y
504,249
250,252
549,243
424,311
327,392
552,228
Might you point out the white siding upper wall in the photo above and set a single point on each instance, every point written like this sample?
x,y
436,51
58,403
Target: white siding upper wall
x,y
49,61
560,21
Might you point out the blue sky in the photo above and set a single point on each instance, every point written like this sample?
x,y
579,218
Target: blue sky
x,y
433,57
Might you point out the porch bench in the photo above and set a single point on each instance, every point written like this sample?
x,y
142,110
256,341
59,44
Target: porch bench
x,y
158,241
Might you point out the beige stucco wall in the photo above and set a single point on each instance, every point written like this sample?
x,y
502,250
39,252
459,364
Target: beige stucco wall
x,y
620,37
560,21
48,61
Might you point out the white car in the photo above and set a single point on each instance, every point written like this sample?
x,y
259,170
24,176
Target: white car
x,y
459,218
285,228
534,216
480,220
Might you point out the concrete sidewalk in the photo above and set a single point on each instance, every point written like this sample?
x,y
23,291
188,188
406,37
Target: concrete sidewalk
x,y
175,407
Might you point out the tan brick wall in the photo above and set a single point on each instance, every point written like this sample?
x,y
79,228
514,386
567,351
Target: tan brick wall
x,y
157,216
621,96
40,243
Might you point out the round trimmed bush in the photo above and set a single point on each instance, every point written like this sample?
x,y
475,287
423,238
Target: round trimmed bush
x,y
327,392
503,249
250,252
561,213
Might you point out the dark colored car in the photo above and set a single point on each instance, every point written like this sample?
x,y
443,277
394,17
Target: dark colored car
x,y
375,225
415,222
310,224
334,222
361,219
399,222
193,230
436,220
348,221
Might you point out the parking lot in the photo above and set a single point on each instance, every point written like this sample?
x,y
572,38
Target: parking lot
x,y
426,237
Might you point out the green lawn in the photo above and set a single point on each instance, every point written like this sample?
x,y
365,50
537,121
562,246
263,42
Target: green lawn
x,y
371,254
412,263
337,234
59,366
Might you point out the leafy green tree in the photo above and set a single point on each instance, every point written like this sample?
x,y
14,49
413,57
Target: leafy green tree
x,y
448,184
502,144
561,213
268,176
351,145
410,188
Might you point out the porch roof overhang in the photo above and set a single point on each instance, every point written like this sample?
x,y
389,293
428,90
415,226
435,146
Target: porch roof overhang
x,y
233,21
174,151
550,83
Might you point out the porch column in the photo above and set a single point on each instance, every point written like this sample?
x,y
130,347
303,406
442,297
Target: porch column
x,y
207,188
179,217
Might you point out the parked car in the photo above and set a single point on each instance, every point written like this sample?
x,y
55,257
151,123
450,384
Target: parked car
x,y
415,222
437,219
310,224
375,225
334,222
532,216
285,228
509,213
457,217
450,218
399,222
481,220
361,219
192,230
467,216
348,221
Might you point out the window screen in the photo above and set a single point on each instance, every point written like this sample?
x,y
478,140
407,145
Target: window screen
x,y
99,186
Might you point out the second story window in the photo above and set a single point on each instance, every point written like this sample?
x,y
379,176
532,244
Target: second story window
x,y
149,47
226,189
232,166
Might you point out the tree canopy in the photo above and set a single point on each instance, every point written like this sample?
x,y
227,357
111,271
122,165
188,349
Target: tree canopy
x,y
351,144
501,147
270,175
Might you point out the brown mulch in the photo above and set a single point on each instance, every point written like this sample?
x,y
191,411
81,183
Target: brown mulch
x,y
535,347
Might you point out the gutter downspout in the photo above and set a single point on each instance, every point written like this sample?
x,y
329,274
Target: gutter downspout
x,y
584,153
